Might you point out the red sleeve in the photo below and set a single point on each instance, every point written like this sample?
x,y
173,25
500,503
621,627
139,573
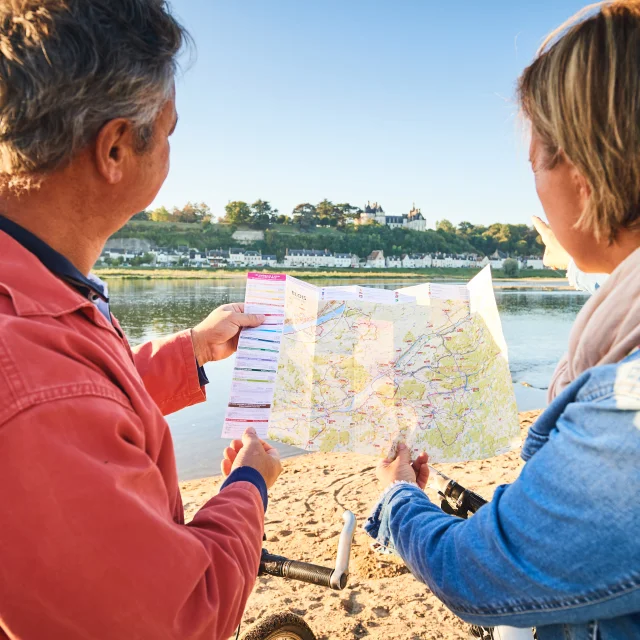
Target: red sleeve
x,y
90,547
170,373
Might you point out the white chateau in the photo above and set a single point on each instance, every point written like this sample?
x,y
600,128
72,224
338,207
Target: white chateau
x,y
413,220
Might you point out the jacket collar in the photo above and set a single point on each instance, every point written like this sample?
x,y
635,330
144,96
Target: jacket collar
x,y
54,261
34,289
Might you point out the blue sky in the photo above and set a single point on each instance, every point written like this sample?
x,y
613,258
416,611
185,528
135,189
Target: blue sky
x,y
398,101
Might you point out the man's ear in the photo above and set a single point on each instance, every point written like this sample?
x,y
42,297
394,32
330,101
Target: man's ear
x,y
113,145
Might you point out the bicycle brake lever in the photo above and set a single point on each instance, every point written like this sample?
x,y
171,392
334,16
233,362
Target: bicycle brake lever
x,y
341,572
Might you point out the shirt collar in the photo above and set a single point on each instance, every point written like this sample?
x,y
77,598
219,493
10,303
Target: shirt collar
x,y
54,261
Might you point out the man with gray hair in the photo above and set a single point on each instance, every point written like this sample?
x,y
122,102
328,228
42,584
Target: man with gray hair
x,y
93,542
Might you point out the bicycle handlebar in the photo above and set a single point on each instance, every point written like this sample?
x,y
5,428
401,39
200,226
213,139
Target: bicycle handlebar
x,y
282,567
336,578
461,500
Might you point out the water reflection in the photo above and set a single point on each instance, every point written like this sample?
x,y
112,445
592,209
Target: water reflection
x,y
553,303
148,308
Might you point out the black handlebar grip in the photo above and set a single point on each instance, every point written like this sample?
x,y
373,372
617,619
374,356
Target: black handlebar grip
x,y
465,499
310,573
283,568
475,501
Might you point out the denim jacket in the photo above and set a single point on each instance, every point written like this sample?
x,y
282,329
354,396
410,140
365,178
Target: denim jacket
x,y
559,549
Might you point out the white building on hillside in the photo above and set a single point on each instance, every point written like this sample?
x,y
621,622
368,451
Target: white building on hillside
x,y
237,257
531,263
342,260
496,259
308,258
413,220
248,236
376,260
416,261
218,258
253,258
198,258
393,262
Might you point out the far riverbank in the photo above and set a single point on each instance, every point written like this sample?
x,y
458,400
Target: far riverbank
x,y
538,277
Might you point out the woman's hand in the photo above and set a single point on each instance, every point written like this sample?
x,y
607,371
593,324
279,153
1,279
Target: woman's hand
x,y
402,469
216,337
555,255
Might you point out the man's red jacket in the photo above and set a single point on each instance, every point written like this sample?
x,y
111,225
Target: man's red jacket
x,y
92,536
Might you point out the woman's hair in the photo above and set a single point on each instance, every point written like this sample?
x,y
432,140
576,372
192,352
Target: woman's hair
x,y
582,97
69,66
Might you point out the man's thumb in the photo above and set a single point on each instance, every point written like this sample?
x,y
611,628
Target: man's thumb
x,y
249,320
250,436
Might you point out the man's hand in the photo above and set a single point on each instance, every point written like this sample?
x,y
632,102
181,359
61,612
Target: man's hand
x,y
555,255
216,338
255,453
390,471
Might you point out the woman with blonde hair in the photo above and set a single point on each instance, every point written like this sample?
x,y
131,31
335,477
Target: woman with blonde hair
x,y
559,549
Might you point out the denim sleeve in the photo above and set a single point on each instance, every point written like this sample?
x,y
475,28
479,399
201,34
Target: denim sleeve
x,y
558,545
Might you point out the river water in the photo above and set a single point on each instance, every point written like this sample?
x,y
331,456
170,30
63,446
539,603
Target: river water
x,y
536,325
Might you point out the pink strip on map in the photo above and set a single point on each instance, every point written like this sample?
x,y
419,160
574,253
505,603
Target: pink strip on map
x,y
266,276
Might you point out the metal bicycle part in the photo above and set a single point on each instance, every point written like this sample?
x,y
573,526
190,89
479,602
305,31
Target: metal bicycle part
x,y
341,571
336,578
456,499
281,626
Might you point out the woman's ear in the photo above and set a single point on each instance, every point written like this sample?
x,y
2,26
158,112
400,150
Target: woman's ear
x,y
583,189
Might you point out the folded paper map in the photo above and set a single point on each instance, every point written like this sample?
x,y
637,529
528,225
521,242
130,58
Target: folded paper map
x,y
360,369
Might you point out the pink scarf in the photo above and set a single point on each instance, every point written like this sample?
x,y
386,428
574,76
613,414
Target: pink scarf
x,y
607,329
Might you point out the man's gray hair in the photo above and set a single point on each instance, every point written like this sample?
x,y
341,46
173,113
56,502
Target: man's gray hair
x,y
67,67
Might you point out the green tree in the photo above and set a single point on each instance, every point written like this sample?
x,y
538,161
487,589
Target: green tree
x,y
203,211
146,258
161,214
465,229
142,215
262,214
327,213
238,213
304,215
445,225
346,213
511,268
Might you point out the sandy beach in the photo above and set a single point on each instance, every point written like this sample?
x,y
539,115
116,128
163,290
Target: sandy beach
x,y
304,519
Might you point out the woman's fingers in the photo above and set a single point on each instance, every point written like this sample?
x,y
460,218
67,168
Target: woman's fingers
x,y
541,227
421,468
423,477
423,458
